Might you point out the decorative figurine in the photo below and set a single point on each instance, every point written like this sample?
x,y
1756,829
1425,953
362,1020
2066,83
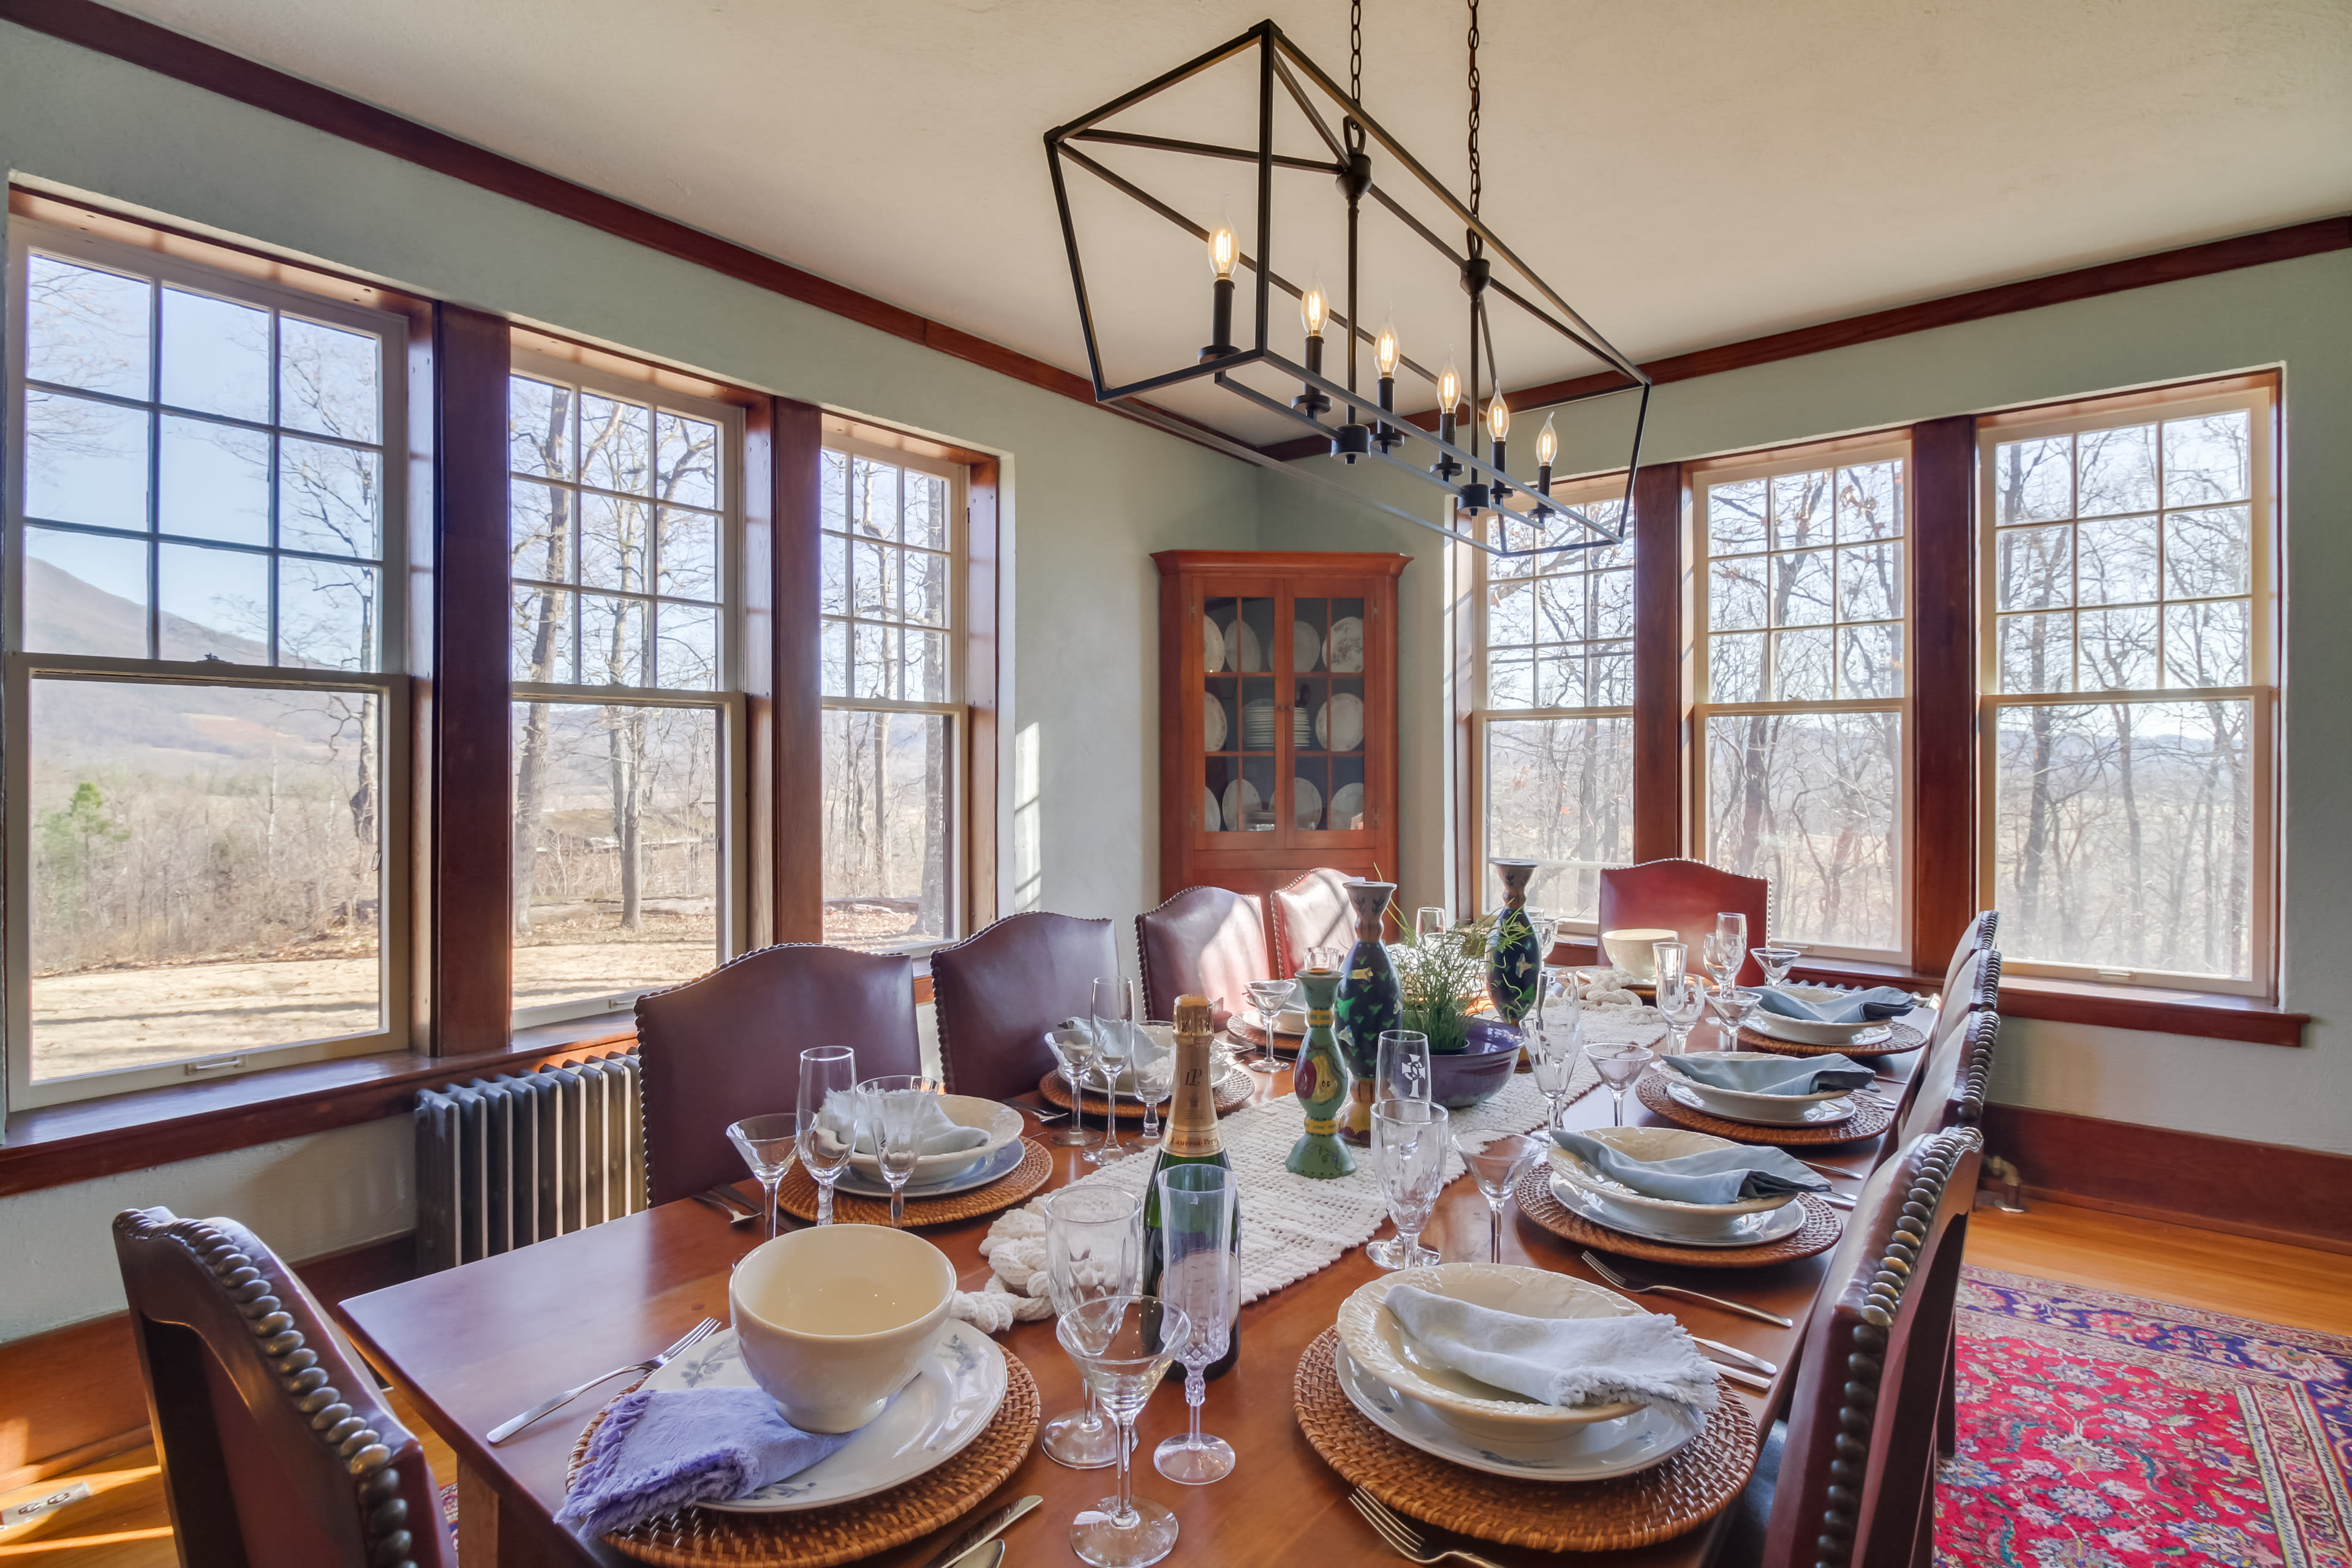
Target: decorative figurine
x,y
1369,1002
1514,967
1321,1079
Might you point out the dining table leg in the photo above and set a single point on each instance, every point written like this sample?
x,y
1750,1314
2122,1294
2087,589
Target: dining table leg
x,y
477,1518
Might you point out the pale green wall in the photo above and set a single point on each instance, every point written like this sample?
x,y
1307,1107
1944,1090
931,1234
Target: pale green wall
x,y
2297,314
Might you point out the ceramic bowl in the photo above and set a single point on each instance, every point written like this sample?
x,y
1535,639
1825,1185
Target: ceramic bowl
x,y
1000,1123
1662,1215
1382,1348
1629,949
835,1319
1806,1032
1740,1105
1464,1077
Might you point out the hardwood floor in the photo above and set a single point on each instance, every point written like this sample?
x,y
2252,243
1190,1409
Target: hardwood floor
x,y
123,1524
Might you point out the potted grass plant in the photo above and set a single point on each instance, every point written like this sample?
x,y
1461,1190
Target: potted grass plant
x,y
1439,979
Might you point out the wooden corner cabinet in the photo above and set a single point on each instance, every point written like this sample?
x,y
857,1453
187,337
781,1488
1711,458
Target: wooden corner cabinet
x,y
1277,716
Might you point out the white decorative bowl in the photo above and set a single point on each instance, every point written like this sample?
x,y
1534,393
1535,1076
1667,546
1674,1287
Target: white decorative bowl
x,y
1000,1123
834,1320
1663,1215
1629,948
1742,1105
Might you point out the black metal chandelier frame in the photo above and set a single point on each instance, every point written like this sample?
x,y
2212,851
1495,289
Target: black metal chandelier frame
x,y
1372,428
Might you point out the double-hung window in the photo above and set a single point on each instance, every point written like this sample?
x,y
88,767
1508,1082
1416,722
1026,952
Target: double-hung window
x,y
207,722
1803,601
625,527
2128,687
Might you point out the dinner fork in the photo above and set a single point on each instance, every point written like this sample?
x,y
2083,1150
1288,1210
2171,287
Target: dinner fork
x,y
1404,1537
687,1340
1629,1287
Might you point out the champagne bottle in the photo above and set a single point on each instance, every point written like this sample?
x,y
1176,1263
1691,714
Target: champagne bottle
x,y
1191,1140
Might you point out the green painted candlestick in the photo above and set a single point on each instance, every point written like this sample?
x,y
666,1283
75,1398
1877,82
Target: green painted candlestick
x,y
1321,1081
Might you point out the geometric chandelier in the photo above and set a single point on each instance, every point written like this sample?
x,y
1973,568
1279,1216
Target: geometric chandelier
x,y
1480,502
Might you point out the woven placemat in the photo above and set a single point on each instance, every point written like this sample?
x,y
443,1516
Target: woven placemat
x,y
1818,1234
1652,1505
1902,1038
797,1195
1870,1119
1252,1036
1234,1091
818,1537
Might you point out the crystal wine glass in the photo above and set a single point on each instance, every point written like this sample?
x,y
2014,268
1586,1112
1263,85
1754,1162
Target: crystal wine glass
x,y
1734,1005
1723,956
1094,1248
1732,928
1778,960
891,1116
1402,1066
1409,1146
1073,1057
1552,1059
1669,961
1201,1276
768,1144
1619,1066
1269,995
1112,1007
1122,1345
828,1096
1154,1069
1495,1163
1429,921
1546,925
1682,1003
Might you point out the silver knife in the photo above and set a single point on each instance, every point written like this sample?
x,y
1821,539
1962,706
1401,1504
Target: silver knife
x,y
1744,1378
987,1554
1736,1354
986,1531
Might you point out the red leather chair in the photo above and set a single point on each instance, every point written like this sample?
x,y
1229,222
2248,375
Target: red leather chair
x,y
728,1046
1978,937
1204,942
276,1451
1685,897
1312,911
998,992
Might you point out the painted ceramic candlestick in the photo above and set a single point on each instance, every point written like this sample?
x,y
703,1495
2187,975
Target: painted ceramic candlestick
x,y
1369,1002
1514,967
1320,1078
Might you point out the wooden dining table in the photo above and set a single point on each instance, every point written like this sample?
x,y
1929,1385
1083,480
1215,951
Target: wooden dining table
x,y
474,1344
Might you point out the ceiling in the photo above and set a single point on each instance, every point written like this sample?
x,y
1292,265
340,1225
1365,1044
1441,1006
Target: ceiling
x,y
1686,173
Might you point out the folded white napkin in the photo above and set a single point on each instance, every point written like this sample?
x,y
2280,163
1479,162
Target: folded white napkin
x,y
941,1134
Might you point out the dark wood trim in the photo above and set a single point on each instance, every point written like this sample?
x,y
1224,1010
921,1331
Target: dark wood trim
x,y
984,612
1660,671
796,505
2204,1014
1941,737
759,632
2301,1197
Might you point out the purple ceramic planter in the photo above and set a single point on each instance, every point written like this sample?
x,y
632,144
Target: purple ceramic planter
x,y
1463,1077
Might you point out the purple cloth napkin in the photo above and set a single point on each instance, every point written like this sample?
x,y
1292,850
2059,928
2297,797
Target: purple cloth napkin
x,y
664,1449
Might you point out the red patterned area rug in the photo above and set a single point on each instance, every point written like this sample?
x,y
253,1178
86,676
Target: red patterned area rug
x,y
2099,1430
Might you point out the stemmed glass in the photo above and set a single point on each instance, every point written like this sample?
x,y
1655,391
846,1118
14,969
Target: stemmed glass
x,y
1330,957
1122,1345
1495,1163
1402,1066
1777,959
1734,1005
1409,1145
1428,921
828,1095
1546,925
1671,960
1732,932
1201,1276
1073,1057
1269,995
1618,1068
1552,1053
1112,1007
1682,1003
891,1115
1723,956
1094,1249
1154,1069
768,1144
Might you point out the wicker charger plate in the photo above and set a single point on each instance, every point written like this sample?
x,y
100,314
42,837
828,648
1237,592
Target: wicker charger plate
x,y
817,1537
1251,1035
1234,1091
797,1195
1655,1504
1818,1234
1901,1038
1870,1119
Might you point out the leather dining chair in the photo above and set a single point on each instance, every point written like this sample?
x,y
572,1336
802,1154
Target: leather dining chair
x,y
999,991
1313,910
1977,937
1685,897
276,1450
1949,1088
1203,941
727,1045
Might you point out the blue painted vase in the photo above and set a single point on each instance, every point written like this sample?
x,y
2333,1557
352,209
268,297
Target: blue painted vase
x,y
1514,967
1369,1002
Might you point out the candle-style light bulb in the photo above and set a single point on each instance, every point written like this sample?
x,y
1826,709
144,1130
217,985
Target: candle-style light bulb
x,y
1225,250
1498,417
1449,390
1386,350
1314,310
1547,444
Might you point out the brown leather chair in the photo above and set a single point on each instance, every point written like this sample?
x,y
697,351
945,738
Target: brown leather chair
x,y
998,992
728,1046
1977,937
1685,897
1204,942
1312,911
1949,1088
276,1451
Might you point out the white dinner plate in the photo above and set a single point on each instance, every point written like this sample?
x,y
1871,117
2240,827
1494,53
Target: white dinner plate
x,y
1247,655
1000,1123
1589,1453
1213,724
1748,1230
952,1399
1347,805
1211,818
1339,723
1345,654
1305,647
1816,1113
1241,800
991,1165
1307,803
1808,1032
1212,647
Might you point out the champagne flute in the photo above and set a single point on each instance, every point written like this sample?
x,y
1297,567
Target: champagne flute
x,y
1094,1248
1552,1059
768,1144
1669,960
892,1107
1269,995
1682,1004
1619,1066
1732,928
1546,925
1402,1066
1122,1345
1112,1007
828,1118
1073,1057
1723,956
1429,923
1408,1144
1201,1277
1495,1163
1154,1066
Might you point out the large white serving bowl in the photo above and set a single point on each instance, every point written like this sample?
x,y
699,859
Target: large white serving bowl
x,y
1804,1031
1382,1347
1629,948
1740,1105
1000,1123
1658,1215
834,1320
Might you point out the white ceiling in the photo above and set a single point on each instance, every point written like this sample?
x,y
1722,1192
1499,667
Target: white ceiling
x,y
1686,171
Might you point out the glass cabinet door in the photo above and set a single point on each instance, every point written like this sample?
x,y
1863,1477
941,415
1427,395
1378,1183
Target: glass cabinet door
x,y
1238,711
1328,716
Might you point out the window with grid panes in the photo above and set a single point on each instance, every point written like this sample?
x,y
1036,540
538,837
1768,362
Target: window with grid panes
x,y
1803,604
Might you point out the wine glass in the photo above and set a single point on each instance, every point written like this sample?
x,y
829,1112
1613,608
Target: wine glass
x,y
1619,1066
1429,921
1682,1003
1113,1005
1409,1146
1201,1276
1269,995
1777,960
1094,1248
1671,959
768,1144
1122,1345
1073,1057
1734,1005
1495,1163
828,1095
1732,928
891,1114
1552,1059
1723,956
1154,1069
1546,925
1402,1066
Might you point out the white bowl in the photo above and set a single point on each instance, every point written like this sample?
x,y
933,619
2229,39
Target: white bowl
x,y
1382,1347
1804,1031
1743,1105
835,1319
1000,1123
1629,949
1665,1215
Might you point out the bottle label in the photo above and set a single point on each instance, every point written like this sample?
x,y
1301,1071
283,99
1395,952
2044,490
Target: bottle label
x,y
1193,1116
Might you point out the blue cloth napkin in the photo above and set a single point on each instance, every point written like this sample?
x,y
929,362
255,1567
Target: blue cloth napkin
x,y
659,1450
1846,1007
1771,1075
1710,1176
1644,1357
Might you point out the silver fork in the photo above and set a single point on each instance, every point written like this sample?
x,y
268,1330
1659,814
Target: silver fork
x,y
692,1337
1404,1537
1629,1287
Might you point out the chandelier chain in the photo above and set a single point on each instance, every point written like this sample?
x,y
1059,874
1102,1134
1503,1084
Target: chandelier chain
x,y
1354,133
1477,180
